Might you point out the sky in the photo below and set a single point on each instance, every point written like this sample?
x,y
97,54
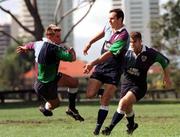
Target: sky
x,y
94,22
89,27
11,5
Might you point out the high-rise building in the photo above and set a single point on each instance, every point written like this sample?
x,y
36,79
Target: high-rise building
x,y
138,14
4,39
14,29
67,22
46,10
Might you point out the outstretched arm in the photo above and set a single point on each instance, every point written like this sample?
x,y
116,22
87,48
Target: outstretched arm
x,y
93,40
25,48
21,49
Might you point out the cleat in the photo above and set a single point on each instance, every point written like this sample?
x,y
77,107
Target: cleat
x,y
45,111
130,129
75,114
96,131
106,131
79,117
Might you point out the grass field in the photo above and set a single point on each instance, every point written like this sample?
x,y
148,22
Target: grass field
x,y
24,120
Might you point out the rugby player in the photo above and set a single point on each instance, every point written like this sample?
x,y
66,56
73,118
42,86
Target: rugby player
x,y
48,54
108,68
138,60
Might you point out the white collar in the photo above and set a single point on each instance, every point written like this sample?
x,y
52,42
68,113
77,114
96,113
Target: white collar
x,y
48,40
119,30
64,45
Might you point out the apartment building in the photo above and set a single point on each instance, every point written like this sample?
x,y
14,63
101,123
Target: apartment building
x,y
4,39
138,14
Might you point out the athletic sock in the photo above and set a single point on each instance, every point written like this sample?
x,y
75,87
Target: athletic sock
x,y
102,114
130,119
116,118
72,100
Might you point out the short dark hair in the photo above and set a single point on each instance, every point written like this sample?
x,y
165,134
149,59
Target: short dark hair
x,y
119,13
135,35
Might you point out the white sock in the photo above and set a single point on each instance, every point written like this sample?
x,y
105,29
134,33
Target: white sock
x,y
120,111
130,114
104,107
72,90
47,106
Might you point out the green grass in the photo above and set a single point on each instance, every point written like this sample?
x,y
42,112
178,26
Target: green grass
x,y
24,120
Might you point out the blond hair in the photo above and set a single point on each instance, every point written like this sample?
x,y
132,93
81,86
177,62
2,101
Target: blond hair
x,y
52,29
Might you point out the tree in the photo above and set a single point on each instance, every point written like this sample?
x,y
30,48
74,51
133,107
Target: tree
x,y
167,29
80,4
32,8
166,37
12,68
38,27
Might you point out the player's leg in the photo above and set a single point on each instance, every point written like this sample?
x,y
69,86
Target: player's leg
x,y
135,94
118,115
131,99
103,110
92,88
68,81
49,106
72,111
72,84
48,92
125,105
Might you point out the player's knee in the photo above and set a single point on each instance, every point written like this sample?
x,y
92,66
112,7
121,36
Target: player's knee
x,y
54,104
89,95
123,105
74,84
105,101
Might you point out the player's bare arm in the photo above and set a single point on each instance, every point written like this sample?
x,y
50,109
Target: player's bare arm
x,y
93,40
21,49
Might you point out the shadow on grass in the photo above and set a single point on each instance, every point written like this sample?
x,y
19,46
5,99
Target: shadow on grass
x,y
34,122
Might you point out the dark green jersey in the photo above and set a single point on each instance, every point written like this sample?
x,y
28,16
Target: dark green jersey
x,y
48,57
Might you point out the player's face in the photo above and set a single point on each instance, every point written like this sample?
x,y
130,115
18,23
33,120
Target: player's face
x,y
135,43
114,21
56,38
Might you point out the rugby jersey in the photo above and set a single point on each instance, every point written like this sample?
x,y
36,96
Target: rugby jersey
x,y
136,67
47,57
117,43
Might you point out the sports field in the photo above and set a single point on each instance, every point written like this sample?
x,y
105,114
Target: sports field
x,y
24,120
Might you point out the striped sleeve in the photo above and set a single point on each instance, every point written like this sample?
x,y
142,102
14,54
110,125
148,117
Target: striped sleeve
x,y
121,42
117,47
